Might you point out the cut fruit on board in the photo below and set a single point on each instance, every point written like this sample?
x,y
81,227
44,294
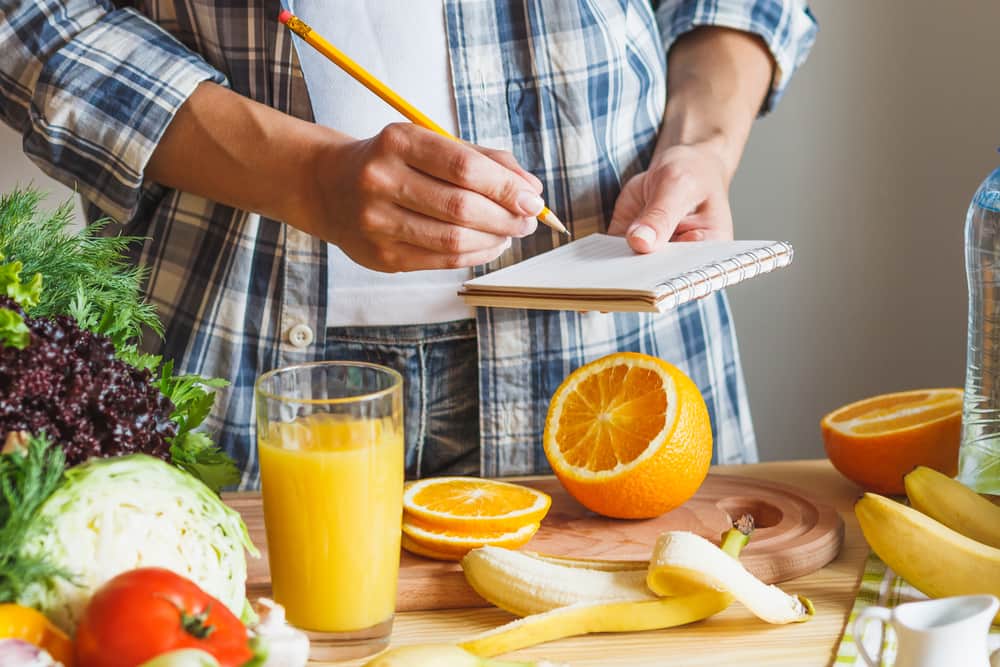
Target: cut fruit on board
x,y
469,504
444,544
629,436
795,535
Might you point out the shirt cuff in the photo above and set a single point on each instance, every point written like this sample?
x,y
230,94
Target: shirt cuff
x,y
788,28
103,101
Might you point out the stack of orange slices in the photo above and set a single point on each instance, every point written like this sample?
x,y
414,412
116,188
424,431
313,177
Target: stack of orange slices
x,y
446,517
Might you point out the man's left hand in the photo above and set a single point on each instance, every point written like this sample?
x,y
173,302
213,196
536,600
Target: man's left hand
x,y
683,196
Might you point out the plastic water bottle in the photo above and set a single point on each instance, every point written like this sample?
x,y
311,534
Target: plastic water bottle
x,y
979,456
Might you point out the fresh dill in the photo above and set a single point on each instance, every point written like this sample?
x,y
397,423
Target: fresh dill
x,y
29,473
78,269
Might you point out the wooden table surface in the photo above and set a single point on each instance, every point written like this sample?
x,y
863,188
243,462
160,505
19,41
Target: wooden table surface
x,y
734,637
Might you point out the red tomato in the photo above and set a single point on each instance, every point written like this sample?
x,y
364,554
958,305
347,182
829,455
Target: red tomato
x,y
144,613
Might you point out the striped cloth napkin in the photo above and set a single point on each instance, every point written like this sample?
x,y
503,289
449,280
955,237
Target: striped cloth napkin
x,y
880,586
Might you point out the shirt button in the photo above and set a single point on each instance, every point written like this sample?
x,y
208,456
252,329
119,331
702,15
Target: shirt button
x,y
300,336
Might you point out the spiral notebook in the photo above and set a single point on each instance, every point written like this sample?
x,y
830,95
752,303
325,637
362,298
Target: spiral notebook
x,y
600,272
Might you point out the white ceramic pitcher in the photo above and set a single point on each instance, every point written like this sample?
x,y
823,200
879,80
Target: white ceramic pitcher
x,y
934,633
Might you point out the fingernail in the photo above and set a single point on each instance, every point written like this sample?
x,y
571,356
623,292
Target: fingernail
x,y
530,203
507,243
529,226
643,233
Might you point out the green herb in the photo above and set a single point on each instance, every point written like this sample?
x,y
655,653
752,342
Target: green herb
x,y
190,450
26,296
28,477
195,453
13,331
86,274
131,355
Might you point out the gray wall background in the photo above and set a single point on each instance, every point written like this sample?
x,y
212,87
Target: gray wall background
x,y
867,167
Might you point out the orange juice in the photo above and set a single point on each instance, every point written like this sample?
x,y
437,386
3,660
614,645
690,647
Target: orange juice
x,y
333,497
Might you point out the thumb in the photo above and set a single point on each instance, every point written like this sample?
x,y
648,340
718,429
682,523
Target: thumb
x,y
671,202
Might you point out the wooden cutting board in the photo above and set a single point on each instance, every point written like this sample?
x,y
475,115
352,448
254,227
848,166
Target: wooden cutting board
x,y
795,535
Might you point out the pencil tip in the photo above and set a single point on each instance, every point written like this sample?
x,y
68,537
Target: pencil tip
x,y
553,221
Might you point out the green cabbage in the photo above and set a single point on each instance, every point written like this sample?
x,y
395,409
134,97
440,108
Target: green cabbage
x,y
118,514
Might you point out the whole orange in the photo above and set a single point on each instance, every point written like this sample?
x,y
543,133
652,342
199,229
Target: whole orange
x,y
629,436
876,441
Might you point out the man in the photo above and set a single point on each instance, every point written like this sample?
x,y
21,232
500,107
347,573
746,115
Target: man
x,y
275,240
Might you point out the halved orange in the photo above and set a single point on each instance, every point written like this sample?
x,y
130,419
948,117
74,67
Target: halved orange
x,y
629,436
445,544
876,441
469,504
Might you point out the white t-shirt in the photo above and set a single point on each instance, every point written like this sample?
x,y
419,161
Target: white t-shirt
x,y
405,46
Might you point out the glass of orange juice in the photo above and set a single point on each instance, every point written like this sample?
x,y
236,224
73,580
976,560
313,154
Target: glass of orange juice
x,y
330,440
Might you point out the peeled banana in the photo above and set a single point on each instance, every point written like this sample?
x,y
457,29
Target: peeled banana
x,y
564,597
935,559
954,504
524,584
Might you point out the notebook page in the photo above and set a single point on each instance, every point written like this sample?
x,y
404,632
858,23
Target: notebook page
x,y
601,263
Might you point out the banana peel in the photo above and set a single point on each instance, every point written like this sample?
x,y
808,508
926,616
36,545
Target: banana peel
x,y
582,619
685,570
684,562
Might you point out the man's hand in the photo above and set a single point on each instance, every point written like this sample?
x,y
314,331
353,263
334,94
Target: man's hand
x,y
410,199
683,196
718,78
404,200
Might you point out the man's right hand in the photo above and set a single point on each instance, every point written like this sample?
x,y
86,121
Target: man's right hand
x,y
410,199
404,200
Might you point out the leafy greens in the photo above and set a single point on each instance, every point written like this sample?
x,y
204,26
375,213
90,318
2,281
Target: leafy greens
x,y
87,276
28,476
13,331
72,262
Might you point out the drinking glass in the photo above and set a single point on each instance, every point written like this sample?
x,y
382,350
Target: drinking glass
x,y
330,441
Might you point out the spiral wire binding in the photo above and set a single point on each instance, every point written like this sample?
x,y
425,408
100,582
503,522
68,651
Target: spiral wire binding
x,y
684,288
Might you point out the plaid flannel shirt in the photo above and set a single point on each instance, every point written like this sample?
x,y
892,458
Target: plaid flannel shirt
x,y
575,89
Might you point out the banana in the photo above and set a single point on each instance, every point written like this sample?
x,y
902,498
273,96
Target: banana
x,y
577,597
581,619
954,504
593,563
684,562
935,559
524,584
441,655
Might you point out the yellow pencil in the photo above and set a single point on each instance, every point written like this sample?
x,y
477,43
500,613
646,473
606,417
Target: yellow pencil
x,y
365,78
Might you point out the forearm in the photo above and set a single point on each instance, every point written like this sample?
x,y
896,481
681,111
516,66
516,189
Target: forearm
x,y
406,199
230,149
717,80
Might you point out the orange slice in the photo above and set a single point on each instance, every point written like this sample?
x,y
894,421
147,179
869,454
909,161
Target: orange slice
x,y
469,504
876,441
444,544
629,436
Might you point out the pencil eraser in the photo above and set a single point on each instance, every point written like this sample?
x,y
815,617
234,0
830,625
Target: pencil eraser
x,y
284,16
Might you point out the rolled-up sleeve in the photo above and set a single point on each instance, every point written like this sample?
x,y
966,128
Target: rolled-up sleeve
x,y
787,27
91,88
